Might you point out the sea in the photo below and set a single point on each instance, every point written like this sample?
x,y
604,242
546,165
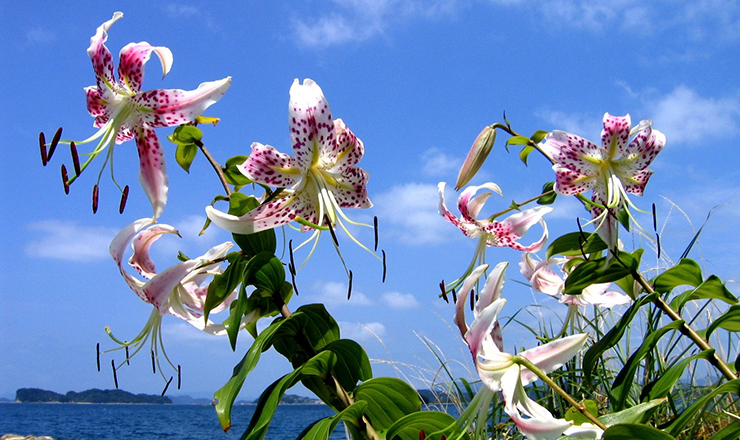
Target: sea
x,y
69,421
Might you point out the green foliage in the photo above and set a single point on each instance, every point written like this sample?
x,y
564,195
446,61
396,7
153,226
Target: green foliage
x,y
730,321
434,424
576,244
187,138
679,424
634,432
322,429
548,199
232,173
602,270
388,399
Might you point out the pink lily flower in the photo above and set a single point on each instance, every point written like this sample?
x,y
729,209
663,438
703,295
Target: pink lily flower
x,y
179,290
499,371
505,233
617,167
123,112
320,180
545,280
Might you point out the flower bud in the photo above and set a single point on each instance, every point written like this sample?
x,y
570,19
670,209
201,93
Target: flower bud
x,y
478,153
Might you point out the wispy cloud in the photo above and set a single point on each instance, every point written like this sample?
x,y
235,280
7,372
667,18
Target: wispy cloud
x,y
583,124
66,240
359,20
177,10
398,300
335,294
437,163
40,35
409,213
362,332
686,117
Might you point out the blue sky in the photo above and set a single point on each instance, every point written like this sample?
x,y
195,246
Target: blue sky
x,y
416,81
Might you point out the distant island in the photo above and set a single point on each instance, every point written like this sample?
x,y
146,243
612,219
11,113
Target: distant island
x,y
36,395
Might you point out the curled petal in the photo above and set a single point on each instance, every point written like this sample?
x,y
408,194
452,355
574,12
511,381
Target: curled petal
x,y
311,126
152,173
351,189
140,260
96,106
101,57
531,418
164,283
463,296
278,212
553,355
493,288
166,108
480,335
615,135
514,227
268,166
350,149
133,58
118,247
470,205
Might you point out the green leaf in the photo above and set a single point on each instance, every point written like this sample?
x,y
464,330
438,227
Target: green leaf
x,y
612,337
388,399
435,424
186,134
576,244
593,271
232,173
311,322
538,136
226,395
634,432
679,424
625,379
322,429
729,432
630,415
525,153
623,217
730,321
251,244
319,365
664,385
517,140
352,364
184,155
550,198
711,288
577,417
685,272
265,271
224,284
236,311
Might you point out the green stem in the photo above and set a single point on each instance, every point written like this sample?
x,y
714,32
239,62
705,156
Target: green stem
x,y
530,143
524,362
216,167
518,205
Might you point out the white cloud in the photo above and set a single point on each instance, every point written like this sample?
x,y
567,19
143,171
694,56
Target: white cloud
x,y
359,20
409,214
335,294
398,300
685,116
65,240
362,332
583,124
181,11
436,163
40,35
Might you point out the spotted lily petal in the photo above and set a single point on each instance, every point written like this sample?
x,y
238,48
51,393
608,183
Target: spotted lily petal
x,y
141,260
311,126
553,355
167,108
268,166
152,172
514,227
133,58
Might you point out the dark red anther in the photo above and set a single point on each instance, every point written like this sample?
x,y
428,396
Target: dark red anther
x,y
167,385
472,299
65,179
444,292
124,197
95,198
384,265
42,145
75,158
97,349
154,366
331,231
179,376
422,436
454,296
375,228
290,254
54,142
349,291
115,377
128,362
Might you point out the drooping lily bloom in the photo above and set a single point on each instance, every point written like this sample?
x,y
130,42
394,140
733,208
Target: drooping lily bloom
x,y
320,180
178,290
611,170
544,279
499,371
123,112
503,233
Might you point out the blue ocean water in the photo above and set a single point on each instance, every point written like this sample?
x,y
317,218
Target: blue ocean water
x,y
149,422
